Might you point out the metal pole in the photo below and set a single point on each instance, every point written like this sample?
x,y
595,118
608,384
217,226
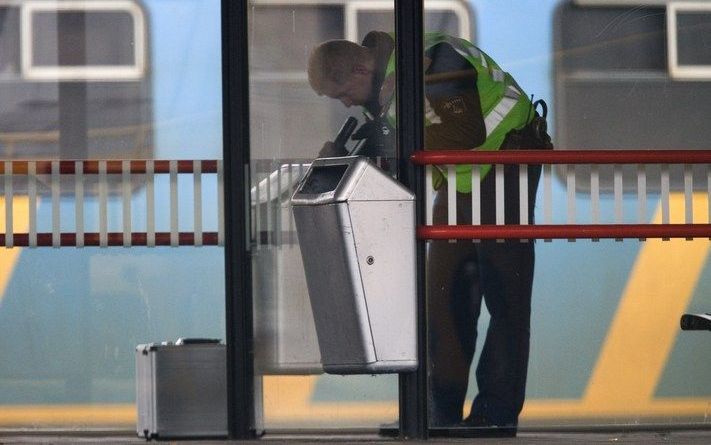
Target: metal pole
x,y
238,285
410,138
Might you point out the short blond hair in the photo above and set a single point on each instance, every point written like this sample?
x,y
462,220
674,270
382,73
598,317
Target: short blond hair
x,y
334,61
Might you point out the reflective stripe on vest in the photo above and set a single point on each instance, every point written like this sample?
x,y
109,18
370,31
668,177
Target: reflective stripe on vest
x,y
501,110
498,114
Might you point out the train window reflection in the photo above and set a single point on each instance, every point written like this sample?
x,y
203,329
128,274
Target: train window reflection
x,y
104,38
447,16
688,28
82,41
285,35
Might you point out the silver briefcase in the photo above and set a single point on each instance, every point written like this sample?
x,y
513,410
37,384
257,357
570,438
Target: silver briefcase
x,y
181,389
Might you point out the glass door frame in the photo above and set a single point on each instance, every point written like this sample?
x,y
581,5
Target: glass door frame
x,y
238,283
236,155
409,19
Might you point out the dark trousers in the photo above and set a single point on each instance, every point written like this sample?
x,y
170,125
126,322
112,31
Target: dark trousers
x,y
459,276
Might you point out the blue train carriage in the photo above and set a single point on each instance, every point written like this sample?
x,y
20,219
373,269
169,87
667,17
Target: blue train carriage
x,y
625,76
606,345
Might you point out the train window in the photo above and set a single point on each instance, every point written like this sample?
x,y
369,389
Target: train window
x,y
612,38
451,17
9,45
284,42
612,86
82,41
283,39
688,31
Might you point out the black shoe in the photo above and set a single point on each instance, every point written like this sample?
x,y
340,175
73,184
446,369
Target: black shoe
x,y
391,429
496,429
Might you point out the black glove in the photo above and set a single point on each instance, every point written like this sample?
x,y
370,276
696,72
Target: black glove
x,y
379,138
331,150
368,130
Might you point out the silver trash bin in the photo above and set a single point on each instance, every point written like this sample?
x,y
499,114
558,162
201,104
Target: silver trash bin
x,y
356,229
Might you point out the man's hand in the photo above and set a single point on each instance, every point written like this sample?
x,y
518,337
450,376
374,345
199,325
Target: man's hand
x,y
330,150
379,138
371,129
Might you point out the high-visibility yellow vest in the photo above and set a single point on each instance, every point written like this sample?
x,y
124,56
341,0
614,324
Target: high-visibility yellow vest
x,y
504,105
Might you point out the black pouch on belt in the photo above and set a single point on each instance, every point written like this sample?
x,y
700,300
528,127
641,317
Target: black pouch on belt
x,y
536,132
533,136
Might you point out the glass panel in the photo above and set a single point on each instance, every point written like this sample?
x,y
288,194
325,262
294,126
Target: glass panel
x,y
596,86
71,318
605,345
289,126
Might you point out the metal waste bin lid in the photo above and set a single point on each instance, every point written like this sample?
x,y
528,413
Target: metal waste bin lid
x,y
352,178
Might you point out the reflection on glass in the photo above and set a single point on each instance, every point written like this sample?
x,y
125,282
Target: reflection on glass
x,y
70,318
472,103
609,76
613,90
107,38
592,359
290,125
621,82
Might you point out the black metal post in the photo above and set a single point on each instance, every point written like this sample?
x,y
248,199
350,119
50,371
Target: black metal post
x,y
410,137
73,144
238,284
73,117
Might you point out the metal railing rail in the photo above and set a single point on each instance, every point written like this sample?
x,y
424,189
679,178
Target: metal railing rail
x,y
130,171
447,160
273,183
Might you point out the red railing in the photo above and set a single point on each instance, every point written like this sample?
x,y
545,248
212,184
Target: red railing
x,y
569,157
114,239
113,167
579,157
125,183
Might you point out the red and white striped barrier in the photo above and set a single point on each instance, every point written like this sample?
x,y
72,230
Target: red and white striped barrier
x,y
568,160
128,170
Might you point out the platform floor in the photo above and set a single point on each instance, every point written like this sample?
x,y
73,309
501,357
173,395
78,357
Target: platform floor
x,y
542,437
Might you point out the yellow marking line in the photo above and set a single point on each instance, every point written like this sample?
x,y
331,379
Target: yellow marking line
x,y
288,399
55,415
20,224
646,323
574,409
330,414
